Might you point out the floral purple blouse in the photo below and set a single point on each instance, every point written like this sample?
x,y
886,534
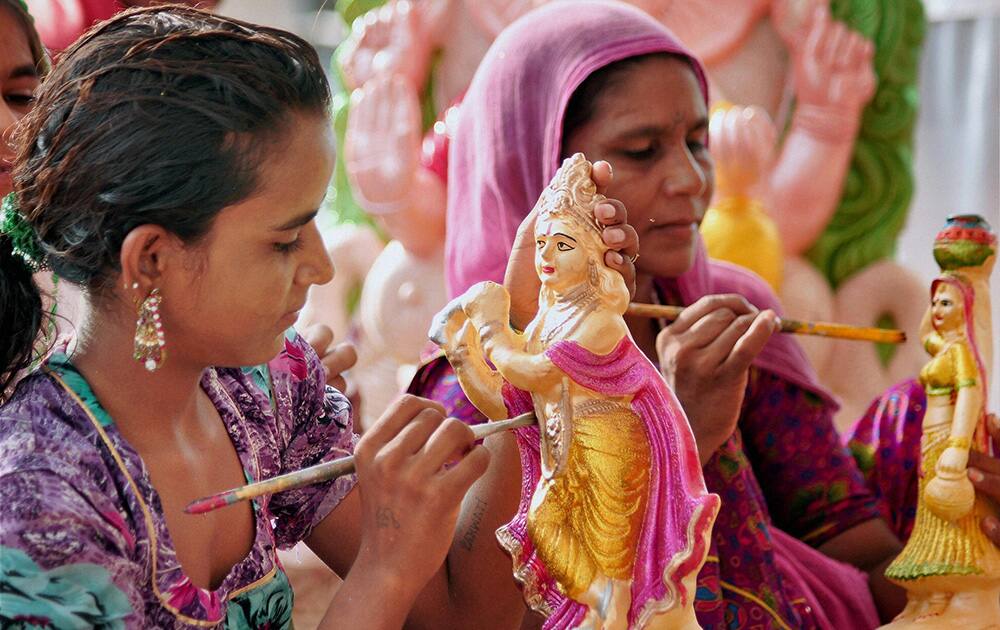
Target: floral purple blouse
x,y
783,470
83,539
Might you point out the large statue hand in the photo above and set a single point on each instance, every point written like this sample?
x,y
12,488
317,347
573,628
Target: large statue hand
x,y
791,19
522,281
833,71
382,144
392,40
493,16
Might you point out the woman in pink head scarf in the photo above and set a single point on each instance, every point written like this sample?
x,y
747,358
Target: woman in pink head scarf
x,y
605,79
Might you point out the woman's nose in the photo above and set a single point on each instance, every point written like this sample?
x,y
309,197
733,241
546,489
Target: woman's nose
x,y
318,267
683,174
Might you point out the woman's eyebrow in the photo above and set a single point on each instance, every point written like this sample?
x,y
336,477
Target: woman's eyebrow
x,y
296,222
646,131
27,70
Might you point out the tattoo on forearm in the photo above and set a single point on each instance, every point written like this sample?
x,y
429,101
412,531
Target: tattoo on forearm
x,y
385,518
469,537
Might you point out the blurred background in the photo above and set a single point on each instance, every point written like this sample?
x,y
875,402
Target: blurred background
x,y
956,161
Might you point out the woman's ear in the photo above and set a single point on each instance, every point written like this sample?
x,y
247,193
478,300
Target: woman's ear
x,y
147,252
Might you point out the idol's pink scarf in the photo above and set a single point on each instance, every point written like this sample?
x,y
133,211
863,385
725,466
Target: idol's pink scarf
x,y
507,142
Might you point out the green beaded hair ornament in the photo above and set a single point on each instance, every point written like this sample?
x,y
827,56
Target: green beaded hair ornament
x,y
14,226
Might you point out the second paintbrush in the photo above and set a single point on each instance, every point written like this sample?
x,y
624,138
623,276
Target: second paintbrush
x,y
322,472
821,329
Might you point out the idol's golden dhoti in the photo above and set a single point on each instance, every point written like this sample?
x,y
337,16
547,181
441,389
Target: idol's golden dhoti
x,y
590,516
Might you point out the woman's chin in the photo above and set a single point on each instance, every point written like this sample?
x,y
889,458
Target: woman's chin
x,y
665,264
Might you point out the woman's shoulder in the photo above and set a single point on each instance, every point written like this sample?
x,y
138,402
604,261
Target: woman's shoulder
x,y
51,456
43,429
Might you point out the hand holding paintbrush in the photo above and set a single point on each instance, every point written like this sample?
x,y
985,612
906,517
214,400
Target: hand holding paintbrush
x,y
323,472
821,329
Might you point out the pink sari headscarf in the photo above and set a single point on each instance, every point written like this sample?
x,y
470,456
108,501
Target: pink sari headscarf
x,y
507,142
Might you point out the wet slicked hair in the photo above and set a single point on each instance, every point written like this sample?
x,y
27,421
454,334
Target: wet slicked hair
x,y
160,116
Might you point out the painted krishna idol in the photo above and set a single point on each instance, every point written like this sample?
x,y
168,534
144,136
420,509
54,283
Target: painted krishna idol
x,y
614,521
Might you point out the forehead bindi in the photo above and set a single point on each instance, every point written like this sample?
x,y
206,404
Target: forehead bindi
x,y
656,97
551,228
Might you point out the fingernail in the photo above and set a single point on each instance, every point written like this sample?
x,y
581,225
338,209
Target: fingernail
x,y
616,258
614,236
975,475
605,211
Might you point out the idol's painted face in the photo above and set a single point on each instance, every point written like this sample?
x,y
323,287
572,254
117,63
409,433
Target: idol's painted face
x,y
946,309
560,260
18,81
651,125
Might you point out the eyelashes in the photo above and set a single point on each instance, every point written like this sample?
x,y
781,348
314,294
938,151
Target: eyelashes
x,y
561,245
288,248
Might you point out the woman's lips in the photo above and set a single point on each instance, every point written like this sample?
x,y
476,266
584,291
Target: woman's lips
x,y
548,269
679,230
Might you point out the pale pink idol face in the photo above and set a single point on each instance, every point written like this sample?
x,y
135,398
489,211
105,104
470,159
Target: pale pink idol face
x,y
946,308
560,261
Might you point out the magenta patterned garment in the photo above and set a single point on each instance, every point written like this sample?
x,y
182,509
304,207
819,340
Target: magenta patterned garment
x,y
886,444
83,539
783,470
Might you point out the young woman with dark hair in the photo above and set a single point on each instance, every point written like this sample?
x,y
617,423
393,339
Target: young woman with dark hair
x,y
172,168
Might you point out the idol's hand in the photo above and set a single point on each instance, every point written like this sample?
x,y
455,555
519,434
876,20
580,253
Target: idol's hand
x,y
522,281
834,74
391,40
984,472
487,306
382,144
410,500
952,463
705,356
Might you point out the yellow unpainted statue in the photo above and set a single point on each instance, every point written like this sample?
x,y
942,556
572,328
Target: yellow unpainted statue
x,y
737,228
949,568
